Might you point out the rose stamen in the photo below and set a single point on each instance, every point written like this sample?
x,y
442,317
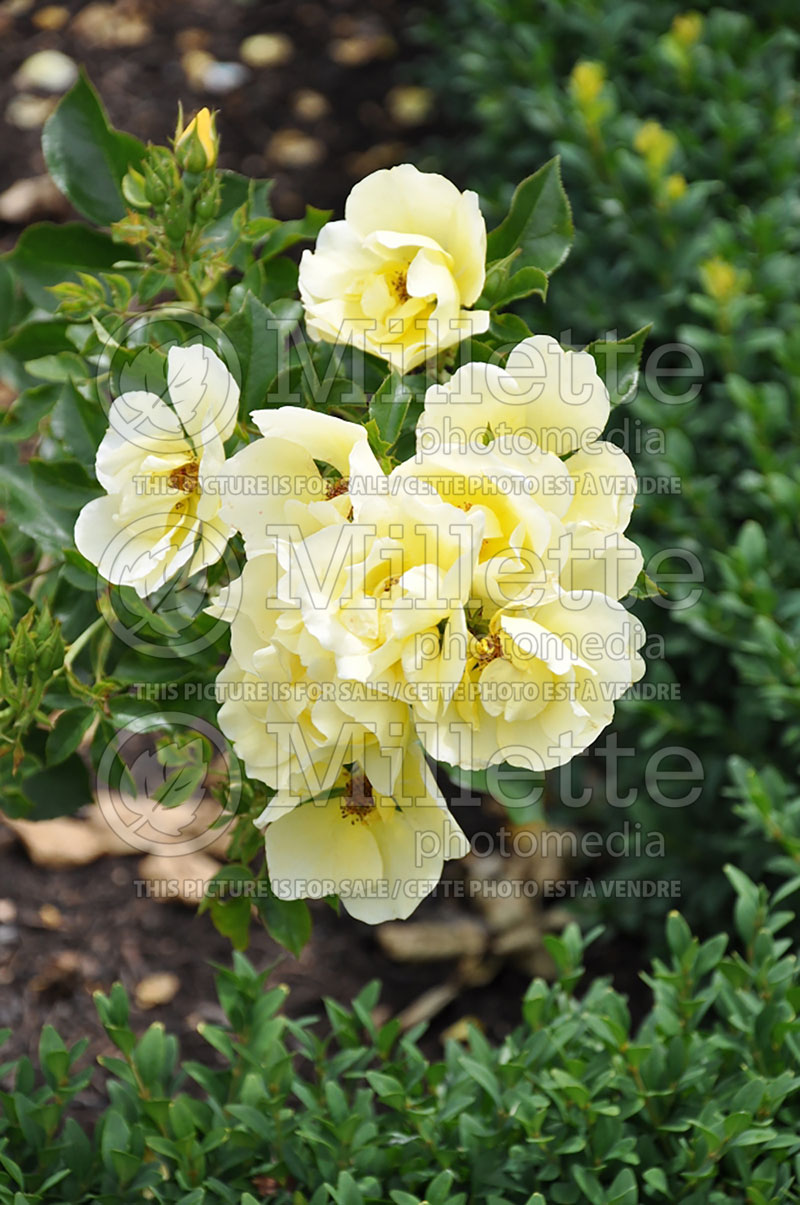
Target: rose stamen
x,y
488,649
358,802
185,478
398,283
334,488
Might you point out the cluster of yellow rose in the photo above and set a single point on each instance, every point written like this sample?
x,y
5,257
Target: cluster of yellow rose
x,y
462,607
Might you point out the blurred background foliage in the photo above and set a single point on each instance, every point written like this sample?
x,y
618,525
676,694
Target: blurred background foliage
x,y
679,140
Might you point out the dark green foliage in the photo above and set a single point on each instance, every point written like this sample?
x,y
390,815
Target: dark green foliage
x,y
699,1104
695,230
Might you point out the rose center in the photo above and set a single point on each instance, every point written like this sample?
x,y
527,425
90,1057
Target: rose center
x,y
398,285
334,488
357,803
489,649
185,478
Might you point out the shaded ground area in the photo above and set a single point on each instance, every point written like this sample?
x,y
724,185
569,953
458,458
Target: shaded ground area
x,y
312,102
67,933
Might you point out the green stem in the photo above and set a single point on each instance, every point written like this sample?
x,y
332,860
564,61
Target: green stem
x,y
82,641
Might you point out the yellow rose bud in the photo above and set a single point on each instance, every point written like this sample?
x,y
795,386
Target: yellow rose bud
x,y
719,279
675,186
687,28
655,144
586,82
196,147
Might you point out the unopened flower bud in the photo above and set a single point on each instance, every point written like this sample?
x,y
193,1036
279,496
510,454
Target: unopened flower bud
x,y
133,189
196,147
175,221
155,189
207,204
22,653
44,625
51,654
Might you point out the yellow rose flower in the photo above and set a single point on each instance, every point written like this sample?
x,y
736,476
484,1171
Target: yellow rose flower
x,y
553,553
158,463
396,275
274,482
541,685
357,811
545,397
343,600
381,854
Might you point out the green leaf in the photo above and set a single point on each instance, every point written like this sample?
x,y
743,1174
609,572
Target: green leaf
x,y
48,254
538,222
502,287
287,921
6,300
645,587
63,485
241,199
58,790
149,1055
64,366
181,785
258,337
53,1055
231,918
67,734
656,1180
79,423
679,935
86,156
624,1190
483,1076
14,1170
29,341
589,1185
23,419
279,236
618,363
394,409
19,495
347,1191
387,1088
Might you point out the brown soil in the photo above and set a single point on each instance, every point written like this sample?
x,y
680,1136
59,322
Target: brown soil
x,y
330,94
67,933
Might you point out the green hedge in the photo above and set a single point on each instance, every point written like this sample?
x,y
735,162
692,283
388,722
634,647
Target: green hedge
x,y
680,148
699,1104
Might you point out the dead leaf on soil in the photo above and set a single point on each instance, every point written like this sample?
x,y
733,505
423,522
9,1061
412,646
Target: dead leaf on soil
x,y
160,988
183,878
51,917
59,843
431,941
32,198
108,26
